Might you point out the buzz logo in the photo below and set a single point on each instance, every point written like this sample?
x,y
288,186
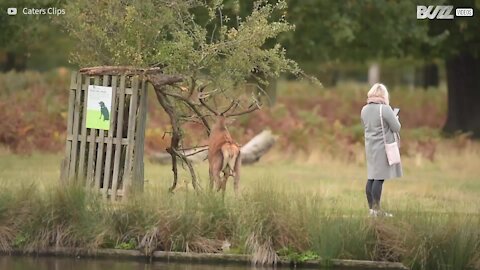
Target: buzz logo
x,y
434,12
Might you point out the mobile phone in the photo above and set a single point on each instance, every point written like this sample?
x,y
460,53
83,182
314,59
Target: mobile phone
x,y
396,111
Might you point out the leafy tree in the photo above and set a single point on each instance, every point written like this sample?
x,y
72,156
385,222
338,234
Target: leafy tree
x,y
31,41
461,52
373,29
168,34
191,38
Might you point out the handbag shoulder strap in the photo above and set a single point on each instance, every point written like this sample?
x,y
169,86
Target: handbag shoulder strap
x,y
383,131
381,122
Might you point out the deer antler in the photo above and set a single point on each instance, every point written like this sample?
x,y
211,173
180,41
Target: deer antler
x,y
202,96
233,104
253,107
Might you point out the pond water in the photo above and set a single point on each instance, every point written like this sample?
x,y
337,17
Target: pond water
x,y
67,263
56,263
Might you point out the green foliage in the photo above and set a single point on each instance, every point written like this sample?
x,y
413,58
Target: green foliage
x,y
361,30
20,240
455,36
170,34
297,257
19,32
353,30
131,244
33,40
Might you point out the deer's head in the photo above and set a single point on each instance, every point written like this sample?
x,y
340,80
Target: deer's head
x,y
221,117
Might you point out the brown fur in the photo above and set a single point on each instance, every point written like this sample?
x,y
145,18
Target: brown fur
x,y
223,156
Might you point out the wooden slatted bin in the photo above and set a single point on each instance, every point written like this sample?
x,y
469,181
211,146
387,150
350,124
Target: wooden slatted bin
x,y
108,159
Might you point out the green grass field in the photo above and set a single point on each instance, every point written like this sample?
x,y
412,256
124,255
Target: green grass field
x,y
95,120
293,206
451,183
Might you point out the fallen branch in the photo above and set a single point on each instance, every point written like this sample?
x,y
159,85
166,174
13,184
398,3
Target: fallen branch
x,y
257,147
251,152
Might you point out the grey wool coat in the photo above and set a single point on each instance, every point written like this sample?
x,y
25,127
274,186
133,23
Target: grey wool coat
x,y
377,163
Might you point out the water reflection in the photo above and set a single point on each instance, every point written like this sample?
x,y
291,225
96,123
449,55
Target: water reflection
x,y
51,263
65,263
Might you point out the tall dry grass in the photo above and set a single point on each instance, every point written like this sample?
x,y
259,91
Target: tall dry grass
x,y
261,222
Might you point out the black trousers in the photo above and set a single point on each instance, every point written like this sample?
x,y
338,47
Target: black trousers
x,y
374,193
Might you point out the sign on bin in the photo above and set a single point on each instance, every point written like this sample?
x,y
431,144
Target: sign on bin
x,y
99,106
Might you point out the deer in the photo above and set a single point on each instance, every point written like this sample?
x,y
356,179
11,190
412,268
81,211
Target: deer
x,y
224,155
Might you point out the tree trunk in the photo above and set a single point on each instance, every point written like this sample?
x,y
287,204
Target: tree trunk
x,y
463,81
9,62
14,61
430,75
373,74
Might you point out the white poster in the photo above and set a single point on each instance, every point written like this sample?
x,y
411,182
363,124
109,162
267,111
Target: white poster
x,y
99,107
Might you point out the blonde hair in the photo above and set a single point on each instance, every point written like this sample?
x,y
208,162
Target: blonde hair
x,y
379,90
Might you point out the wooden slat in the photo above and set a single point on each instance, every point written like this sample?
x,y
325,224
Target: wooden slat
x,y
138,166
119,137
73,80
132,116
91,149
83,137
68,143
76,120
99,162
111,131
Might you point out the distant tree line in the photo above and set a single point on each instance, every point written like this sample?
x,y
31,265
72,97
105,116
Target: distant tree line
x,y
326,32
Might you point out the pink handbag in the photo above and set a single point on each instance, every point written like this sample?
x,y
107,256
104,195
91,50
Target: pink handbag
x,y
392,149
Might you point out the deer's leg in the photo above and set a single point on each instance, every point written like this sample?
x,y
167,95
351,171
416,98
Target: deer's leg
x,y
210,173
215,170
226,174
220,182
219,186
236,173
217,182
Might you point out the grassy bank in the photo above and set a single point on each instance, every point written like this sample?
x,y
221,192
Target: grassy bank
x,y
299,208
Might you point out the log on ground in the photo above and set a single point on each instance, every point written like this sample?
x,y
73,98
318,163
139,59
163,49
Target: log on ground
x,y
251,152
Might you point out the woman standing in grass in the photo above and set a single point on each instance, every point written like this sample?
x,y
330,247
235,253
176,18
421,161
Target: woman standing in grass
x,y
378,168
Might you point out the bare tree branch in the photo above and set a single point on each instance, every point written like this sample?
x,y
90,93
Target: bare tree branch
x,y
192,87
194,147
205,95
194,109
196,152
202,98
186,161
160,80
176,132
